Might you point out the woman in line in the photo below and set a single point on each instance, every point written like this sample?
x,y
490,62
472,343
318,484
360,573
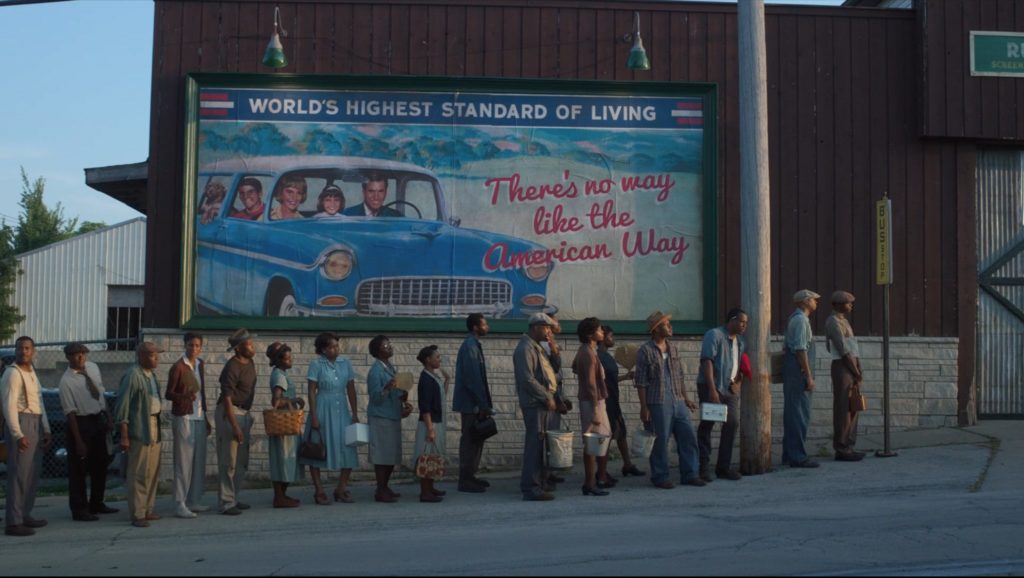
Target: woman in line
x,y
284,463
592,395
331,380
384,415
430,396
615,417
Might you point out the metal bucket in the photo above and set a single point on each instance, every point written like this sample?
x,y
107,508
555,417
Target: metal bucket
x,y
560,449
595,444
642,443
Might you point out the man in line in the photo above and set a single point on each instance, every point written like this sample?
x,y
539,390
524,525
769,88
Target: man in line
x,y
535,386
664,406
472,399
28,436
186,389
846,373
798,380
237,389
138,416
562,403
375,191
718,381
88,426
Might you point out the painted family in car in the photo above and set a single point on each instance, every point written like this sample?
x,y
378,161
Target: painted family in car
x,y
348,236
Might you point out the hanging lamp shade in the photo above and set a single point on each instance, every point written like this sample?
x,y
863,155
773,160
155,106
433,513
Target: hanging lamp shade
x,y
637,55
274,56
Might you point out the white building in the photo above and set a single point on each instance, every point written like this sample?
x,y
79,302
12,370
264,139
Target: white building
x,y
86,288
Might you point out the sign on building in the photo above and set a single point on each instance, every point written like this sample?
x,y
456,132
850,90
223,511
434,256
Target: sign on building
x,y
997,53
352,202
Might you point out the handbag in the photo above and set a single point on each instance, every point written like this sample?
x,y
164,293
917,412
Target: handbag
x,y
485,427
430,464
857,400
311,450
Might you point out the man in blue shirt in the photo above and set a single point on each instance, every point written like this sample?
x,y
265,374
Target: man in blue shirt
x,y
718,381
472,399
798,380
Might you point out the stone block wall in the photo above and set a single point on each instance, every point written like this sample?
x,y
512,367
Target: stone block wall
x,y
923,387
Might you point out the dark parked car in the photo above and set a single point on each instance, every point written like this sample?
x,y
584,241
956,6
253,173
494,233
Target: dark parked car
x,y
55,460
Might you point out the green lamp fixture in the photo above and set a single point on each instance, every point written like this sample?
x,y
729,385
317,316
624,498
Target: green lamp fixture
x,y
637,55
274,56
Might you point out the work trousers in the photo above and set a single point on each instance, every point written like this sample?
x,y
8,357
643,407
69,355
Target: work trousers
x,y
672,418
94,466
728,437
534,473
23,469
471,448
796,413
232,457
844,424
143,470
189,459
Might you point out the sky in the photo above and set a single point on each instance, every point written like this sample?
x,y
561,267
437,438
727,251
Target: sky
x,y
76,96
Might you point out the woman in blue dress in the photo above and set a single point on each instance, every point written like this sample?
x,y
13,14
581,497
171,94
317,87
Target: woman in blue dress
x,y
332,407
284,463
384,416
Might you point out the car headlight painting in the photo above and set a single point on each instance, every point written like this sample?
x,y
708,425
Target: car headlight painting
x,y
337,265
539,272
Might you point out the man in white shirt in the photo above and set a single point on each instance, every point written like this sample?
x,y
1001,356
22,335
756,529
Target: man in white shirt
x,y
28,436
89,424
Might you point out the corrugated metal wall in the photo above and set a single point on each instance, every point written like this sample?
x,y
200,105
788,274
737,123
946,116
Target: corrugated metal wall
x,y
62,290
1000,367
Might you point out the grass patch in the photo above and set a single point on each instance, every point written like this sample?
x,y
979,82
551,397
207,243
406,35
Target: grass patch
x,y
993,449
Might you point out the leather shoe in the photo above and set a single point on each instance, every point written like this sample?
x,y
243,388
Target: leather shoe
x,y
705,474
808,463
695,482
103,509
242,506
384,497
84,517
729,475
34,522
588,491
482,482
438,492
198,508
555,479
632,470
541,497
850,457
152,516
666,485
232,511
431,498
140,523
19,531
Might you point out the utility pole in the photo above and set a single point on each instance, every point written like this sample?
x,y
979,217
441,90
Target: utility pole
x,y
755,225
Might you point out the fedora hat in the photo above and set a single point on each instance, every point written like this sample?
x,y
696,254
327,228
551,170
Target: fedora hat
x,y
239,337
657,318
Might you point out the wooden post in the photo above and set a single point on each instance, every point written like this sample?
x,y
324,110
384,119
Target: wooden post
x,y
755,231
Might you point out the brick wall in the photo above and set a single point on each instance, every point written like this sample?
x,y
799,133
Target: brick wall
x,y
923,387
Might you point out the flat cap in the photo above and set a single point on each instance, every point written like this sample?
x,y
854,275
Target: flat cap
x,y
148,347
75,347
541,319
842,297
804,294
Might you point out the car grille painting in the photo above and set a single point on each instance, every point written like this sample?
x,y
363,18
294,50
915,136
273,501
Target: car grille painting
x,y
433,296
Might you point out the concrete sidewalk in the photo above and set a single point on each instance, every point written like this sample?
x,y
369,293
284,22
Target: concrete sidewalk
x,y
950,498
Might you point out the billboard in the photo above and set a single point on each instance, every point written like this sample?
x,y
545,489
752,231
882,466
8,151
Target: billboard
x,y
357,203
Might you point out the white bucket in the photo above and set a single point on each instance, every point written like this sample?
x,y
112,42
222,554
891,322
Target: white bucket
x,y
560,449
642,443
595,444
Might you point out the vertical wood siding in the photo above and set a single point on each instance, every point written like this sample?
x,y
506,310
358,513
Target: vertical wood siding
x,y
842,100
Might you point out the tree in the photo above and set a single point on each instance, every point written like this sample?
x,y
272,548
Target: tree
x,y
9,314
39,226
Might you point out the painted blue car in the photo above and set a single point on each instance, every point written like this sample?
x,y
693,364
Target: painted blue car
x,y
266,245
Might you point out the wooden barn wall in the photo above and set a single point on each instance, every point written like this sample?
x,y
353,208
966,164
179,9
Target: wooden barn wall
x,y
956,104
842,114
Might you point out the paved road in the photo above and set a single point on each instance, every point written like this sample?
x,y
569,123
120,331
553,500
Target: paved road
x,y
952,509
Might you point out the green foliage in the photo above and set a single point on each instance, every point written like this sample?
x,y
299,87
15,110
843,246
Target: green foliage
x,y
39,226
90,226
9,314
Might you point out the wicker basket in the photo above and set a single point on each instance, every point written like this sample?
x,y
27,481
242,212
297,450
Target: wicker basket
x,y
283,422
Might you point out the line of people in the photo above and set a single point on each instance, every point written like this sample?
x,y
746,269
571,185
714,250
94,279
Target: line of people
x,y
665,411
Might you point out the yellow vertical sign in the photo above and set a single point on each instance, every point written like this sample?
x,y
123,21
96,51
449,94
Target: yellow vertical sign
x,y
883,242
